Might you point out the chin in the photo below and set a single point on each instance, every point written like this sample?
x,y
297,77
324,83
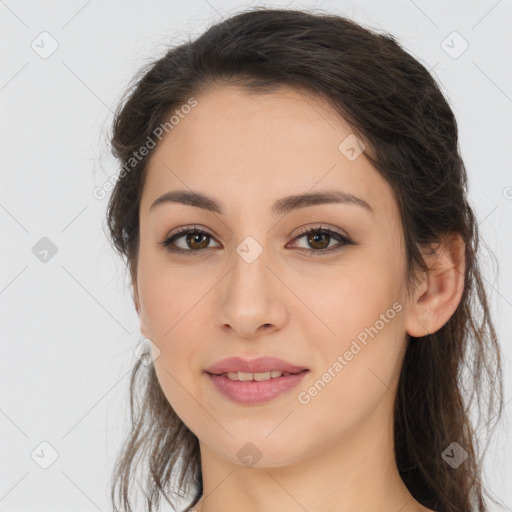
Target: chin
x,y
255,449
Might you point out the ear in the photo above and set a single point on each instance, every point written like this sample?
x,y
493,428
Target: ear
x,y
438,295
140,313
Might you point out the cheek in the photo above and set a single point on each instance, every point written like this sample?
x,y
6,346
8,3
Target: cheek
x,y
171,305
360,370
163,297
351,298
361,353
170,292
168,316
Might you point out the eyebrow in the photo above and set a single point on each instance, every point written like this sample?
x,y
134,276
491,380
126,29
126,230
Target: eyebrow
x,y
280,207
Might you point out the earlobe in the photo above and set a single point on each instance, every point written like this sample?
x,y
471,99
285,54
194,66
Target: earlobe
x,y
439,294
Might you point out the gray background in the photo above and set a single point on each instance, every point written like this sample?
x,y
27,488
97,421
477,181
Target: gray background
x,y
68,324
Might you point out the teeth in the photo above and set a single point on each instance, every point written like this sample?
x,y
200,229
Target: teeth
x,y
245,376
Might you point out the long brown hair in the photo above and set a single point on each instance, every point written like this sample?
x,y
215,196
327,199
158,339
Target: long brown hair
x,y
397,109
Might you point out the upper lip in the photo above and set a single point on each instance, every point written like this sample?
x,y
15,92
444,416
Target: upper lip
x,y
259,365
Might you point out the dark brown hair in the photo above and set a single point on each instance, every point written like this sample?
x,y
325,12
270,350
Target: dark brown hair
x,y
397,109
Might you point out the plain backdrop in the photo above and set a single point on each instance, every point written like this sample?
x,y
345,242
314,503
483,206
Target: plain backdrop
x,y
68,324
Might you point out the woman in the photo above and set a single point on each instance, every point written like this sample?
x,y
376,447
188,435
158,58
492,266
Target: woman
x,y
292,208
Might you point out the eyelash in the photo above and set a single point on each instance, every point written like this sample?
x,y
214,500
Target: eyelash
x,y
303,232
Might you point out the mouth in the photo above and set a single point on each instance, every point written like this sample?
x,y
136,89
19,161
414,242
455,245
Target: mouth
x,y
256,377
256,381
262,368
245,388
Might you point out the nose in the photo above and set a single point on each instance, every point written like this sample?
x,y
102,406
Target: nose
x,y
252,299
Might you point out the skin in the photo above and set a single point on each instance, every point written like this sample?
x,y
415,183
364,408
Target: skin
x,y
334,453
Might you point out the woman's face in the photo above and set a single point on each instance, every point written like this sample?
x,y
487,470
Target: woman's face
x,y
250,287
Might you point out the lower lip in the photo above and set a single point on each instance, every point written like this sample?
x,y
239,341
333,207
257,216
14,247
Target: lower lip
x,y
255,392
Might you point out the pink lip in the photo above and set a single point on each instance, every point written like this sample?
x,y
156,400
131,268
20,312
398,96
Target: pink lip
x,y
255,392
259,365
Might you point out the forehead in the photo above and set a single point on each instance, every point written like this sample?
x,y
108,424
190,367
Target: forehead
x,y
249,150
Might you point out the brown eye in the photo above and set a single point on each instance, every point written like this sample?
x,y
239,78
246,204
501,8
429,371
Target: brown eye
x,y
195,240
319,239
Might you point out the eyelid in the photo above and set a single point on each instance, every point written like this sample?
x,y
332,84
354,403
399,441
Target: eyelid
x,y
301,230
318,227
187,229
